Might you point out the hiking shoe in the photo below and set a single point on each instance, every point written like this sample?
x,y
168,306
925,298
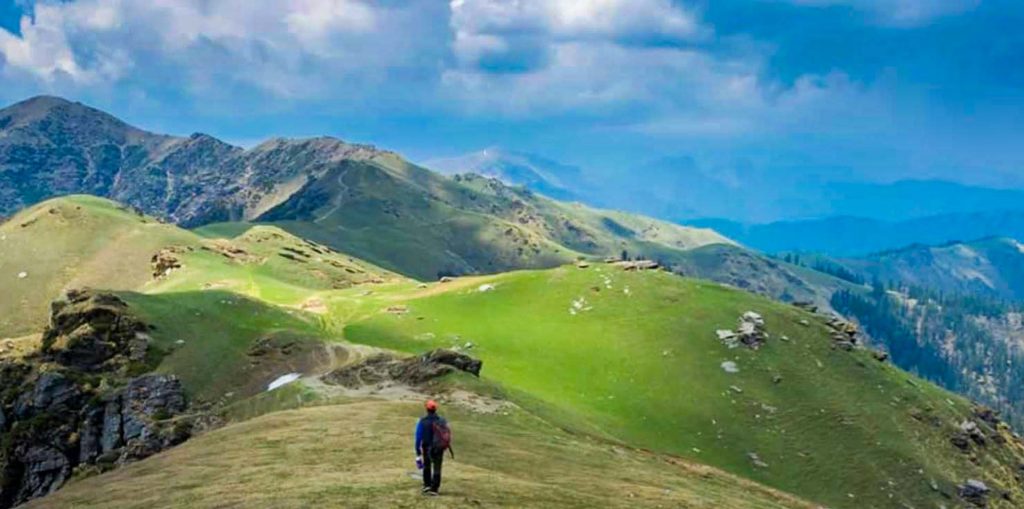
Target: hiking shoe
x,y
426,489
431,493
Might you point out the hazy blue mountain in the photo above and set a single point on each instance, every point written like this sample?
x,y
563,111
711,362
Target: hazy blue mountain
x,y
547,177
766,207
854,236
992,267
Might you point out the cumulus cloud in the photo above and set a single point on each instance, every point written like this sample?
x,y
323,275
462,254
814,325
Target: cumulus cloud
x,y
648,64
652,65
497,33
285,47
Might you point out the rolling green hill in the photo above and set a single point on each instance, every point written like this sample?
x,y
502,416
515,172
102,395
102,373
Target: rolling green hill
x,y
645,366
83,241
620,357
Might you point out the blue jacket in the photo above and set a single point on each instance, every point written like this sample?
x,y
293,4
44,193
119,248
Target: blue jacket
x,y
425,432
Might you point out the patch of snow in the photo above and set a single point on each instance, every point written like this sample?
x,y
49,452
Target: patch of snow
x,y
486,288
730,367
283,380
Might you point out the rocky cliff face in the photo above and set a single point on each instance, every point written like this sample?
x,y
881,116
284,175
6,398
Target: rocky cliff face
x,y
83,402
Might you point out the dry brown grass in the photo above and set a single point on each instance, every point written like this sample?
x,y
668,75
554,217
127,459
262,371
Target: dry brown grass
x,y
359,455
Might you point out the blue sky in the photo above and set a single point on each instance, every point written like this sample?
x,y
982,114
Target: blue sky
x,y
876,90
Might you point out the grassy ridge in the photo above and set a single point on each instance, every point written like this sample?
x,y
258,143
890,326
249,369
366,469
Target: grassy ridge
x,y
71,242
357,455
83,241
646,368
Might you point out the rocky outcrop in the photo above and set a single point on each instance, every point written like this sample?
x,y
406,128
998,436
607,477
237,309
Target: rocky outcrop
x,y
750,332
982,431
637,265
72,405
415,371
845,334
93,332
167,260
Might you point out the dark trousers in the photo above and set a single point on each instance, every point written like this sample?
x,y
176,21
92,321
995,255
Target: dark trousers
x,y
432,469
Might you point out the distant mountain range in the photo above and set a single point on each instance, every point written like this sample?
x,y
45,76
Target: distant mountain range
x,y
856,236
368,202
992,267
849,218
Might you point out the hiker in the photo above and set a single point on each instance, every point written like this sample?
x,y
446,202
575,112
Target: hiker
x,y
433,438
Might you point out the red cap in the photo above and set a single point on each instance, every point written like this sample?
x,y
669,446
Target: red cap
x,y
431,405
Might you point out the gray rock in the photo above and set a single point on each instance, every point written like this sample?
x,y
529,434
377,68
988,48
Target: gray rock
x,y
974,492
148,398
51,389
89,433
45,471
110,437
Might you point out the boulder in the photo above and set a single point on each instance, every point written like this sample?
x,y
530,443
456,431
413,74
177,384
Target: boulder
x,y
749,331
457,360
166,261
974,492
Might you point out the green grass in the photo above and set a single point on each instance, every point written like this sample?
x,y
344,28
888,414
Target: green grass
x,y
216,330
73,242
83,241
645,368
638,369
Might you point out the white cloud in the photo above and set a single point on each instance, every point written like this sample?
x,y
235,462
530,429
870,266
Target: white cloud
x,y
641,64
485,28
286,47
645,65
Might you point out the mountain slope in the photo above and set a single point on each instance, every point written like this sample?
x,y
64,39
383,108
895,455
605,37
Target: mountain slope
x,y
990,267
639,359
83,241
355,198
418,223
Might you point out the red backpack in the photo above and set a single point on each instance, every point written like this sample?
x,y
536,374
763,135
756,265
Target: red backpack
x,y
442,437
